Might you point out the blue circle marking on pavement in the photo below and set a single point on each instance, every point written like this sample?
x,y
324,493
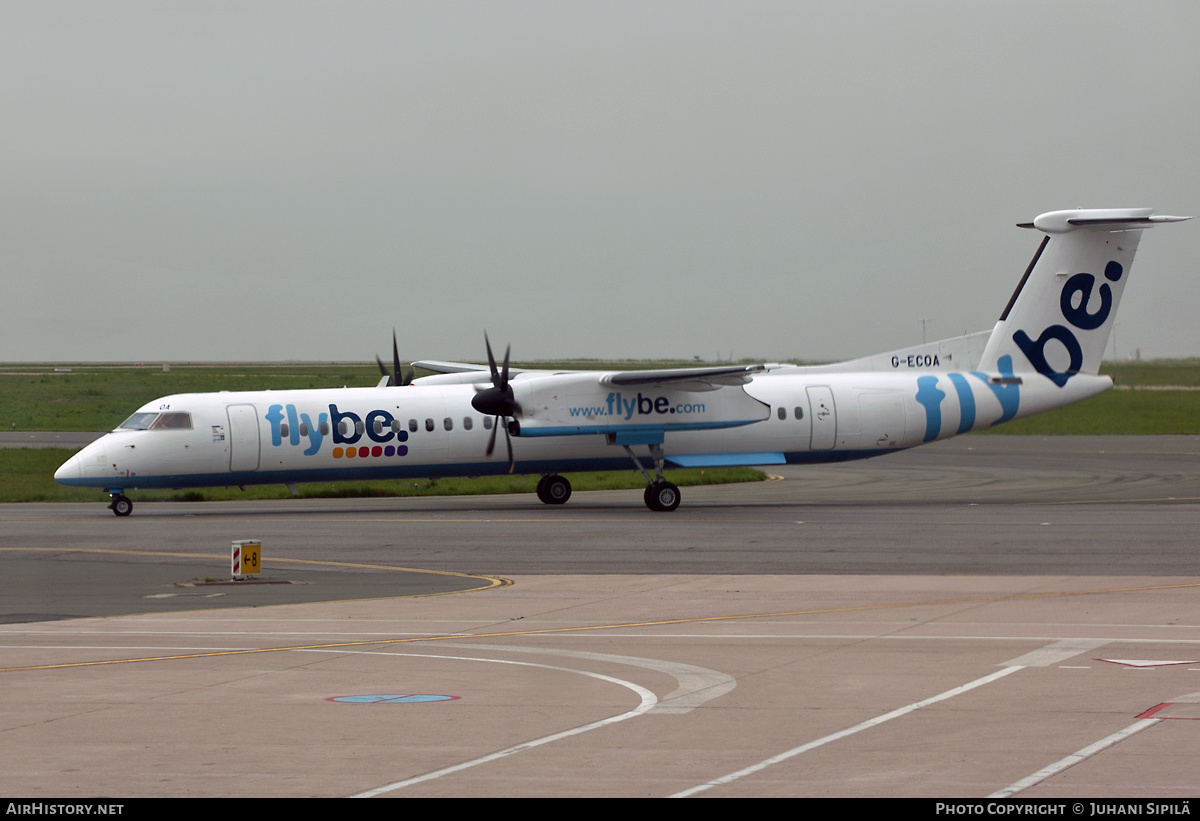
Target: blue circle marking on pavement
x,y
411,698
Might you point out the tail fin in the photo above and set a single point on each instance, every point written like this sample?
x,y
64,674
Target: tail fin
x,y
1059,318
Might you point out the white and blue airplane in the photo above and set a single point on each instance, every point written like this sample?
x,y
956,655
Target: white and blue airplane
x,y
1044,353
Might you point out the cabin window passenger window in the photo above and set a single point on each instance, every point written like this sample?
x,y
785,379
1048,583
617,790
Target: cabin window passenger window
x,y
487,423
782,413
283,429
395,425
429,425
467,423
377,426
303,429
412,425
799,412
359,427
448,423
344,427
324,428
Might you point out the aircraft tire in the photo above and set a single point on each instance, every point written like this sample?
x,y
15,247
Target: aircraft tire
x,y
121,506
556,491
541,489
662,497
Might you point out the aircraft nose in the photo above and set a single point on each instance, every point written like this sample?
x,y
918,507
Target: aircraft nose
x,y
69,470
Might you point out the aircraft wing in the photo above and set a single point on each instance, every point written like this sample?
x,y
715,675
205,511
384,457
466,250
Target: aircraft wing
x,y
681,378
708,377
438,366
460,373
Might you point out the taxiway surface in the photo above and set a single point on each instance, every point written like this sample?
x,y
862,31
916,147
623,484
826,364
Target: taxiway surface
x,y
959,620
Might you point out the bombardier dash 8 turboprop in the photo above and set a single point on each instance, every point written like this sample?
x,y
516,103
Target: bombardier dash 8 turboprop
x,y
1043,353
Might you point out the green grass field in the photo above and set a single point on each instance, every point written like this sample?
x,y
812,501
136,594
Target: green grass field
x,y
99,397
91,397
94,397
27,475
1133,411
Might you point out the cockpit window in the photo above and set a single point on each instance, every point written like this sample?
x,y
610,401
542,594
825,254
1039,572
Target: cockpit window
x,y
173,421
139,421
158,421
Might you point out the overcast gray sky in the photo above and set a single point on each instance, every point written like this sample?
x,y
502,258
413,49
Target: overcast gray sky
x,y
287,180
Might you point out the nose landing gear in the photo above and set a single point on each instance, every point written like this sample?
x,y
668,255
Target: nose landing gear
x,y
120,504
554,489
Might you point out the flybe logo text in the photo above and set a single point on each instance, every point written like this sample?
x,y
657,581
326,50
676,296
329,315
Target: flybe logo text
x,y
1073,303
344,427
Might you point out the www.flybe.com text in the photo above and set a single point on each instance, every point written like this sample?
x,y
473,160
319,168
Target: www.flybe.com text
x,y
618,405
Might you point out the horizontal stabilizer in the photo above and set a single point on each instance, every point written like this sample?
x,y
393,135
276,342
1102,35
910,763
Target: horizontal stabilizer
x,y
1099,219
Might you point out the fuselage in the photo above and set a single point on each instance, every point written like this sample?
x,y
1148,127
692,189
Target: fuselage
x,y
1044,352
571,422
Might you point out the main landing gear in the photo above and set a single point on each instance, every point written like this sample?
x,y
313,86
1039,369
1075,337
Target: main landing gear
x,y
661,496
554,489
120,504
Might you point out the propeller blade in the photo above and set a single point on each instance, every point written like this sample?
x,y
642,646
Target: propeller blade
x,y
491,359
383,370
396,361
498,400
492,442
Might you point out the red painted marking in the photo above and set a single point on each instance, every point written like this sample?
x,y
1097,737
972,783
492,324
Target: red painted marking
x,y
1150,713
1183,705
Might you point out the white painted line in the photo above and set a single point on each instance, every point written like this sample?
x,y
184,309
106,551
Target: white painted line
x,y
697,685
1073,759
874,722
1057,652
648,700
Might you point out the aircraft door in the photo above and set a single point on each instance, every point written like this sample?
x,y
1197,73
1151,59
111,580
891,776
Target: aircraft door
x,y
824,420
243,437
